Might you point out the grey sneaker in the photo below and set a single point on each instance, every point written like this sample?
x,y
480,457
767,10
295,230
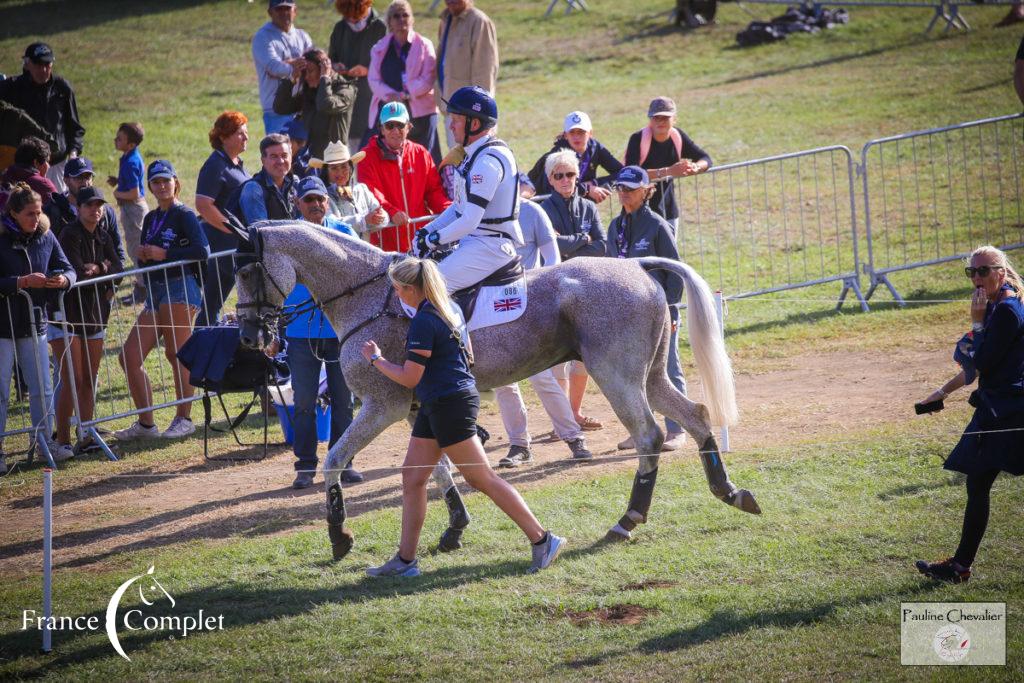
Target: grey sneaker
x,y
137,431
60,452
396,567
517,455
179,427
303,480
673,442
545,553
579,449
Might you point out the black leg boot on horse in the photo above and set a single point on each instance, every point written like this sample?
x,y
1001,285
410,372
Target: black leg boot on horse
x,y
639,504
718,480
341,538
458,520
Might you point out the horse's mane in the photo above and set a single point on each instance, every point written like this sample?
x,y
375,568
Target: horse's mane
x,y
351,242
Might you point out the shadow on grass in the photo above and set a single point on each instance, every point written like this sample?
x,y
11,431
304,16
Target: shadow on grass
x,y
253,524
57,16
242,606
729,622
840,59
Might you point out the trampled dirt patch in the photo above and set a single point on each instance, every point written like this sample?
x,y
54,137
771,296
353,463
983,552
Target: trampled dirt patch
x,y
616,615
652,584
135,507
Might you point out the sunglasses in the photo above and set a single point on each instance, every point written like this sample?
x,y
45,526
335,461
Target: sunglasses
x,y
394,125
980,271
403,15
315,198
569,174
626,188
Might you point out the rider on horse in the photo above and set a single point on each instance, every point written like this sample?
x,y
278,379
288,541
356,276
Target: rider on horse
x,y
484,215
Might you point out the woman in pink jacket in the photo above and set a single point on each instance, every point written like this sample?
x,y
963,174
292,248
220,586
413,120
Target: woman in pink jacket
x,y
402,70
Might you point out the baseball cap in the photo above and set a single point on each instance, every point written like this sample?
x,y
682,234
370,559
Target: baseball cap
x,y
296,130
76,167
40,53
161,168
311,185
280,3
577,119
661,106
89,194
394,111
632,177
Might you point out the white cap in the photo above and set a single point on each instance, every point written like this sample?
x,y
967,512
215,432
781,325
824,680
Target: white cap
x,y
577,119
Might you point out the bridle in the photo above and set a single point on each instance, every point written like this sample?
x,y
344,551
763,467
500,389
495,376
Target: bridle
x,y
269,317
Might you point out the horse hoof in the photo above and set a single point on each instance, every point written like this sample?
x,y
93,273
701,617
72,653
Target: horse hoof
x,y
617,536
451,540
744,500
341,540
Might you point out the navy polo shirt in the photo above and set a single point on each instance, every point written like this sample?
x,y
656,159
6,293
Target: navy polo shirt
x,y
446,371
219,178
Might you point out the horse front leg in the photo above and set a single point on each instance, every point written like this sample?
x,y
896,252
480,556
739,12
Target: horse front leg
x,y
373,418
639,498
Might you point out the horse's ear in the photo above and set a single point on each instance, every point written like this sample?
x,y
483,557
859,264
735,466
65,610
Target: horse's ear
x,y
236,226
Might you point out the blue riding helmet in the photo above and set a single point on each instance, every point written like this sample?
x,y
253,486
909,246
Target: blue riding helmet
x,y
474,102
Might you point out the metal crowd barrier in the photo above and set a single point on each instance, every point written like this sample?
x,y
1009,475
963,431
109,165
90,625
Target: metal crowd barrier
x,y
773,224
932,196
21,378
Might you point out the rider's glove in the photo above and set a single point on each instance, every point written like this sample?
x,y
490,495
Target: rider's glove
x,y
426,241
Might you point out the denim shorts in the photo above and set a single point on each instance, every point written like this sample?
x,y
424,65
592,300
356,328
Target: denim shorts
x,y
55,332
175,290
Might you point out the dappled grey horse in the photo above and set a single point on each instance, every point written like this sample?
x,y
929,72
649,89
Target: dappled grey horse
x,y
605,312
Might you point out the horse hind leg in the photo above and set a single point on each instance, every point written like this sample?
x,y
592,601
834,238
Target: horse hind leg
x,y
631,407
668,400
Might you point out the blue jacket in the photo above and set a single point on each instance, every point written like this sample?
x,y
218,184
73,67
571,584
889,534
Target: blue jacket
x,y
573,220
999,399
314,325
22,254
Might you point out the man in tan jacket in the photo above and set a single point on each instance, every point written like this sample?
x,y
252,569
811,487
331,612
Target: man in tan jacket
x,y
467,53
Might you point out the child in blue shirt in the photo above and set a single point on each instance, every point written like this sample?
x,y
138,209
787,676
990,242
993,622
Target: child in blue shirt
x,y
129,191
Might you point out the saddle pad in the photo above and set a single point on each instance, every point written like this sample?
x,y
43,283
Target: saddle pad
x,y
495,305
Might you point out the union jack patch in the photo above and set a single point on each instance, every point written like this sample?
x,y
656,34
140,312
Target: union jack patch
x,y
506,305
477,179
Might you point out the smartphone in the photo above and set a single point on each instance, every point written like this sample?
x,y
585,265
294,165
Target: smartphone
x,y
930,407
54,273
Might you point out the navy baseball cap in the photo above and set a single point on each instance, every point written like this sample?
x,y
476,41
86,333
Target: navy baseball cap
x,y
40,53
296,130
311,185
89,194
77,166
280,3
632,177
161,168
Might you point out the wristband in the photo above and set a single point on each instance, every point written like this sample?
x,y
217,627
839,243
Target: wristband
x,y
942,393
977,327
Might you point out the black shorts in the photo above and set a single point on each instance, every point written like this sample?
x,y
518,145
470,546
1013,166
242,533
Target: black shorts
x,y
448,420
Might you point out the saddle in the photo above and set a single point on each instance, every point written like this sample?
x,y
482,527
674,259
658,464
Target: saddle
x,y
508,274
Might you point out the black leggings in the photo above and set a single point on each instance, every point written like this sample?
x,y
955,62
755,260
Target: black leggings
x,y
979,485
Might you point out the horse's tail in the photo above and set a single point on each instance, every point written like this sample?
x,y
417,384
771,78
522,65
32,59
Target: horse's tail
x,y
705,339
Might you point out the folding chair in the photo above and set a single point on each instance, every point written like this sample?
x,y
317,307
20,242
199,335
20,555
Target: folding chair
x,y
220,365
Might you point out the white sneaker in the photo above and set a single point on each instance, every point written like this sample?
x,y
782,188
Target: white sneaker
x,y
180,426
673,442
137,431
60,451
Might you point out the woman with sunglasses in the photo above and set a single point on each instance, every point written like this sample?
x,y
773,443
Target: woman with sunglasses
x,y
994,438
636,232
578,230
402,67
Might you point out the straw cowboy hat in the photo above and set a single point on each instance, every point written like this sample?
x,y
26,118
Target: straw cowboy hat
x,y
336,153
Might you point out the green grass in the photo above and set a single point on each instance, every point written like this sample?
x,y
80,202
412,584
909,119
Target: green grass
x,y
810,590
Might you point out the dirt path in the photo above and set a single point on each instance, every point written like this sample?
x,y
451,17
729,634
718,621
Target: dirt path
x,y
190,500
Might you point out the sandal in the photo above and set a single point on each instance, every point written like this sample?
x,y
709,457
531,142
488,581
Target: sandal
x,y
589,424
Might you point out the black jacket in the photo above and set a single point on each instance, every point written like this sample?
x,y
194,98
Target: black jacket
x,y
62,215
53,107
22,254
87,307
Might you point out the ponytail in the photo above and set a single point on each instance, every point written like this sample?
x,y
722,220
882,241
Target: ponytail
x,y
425,275
1002,260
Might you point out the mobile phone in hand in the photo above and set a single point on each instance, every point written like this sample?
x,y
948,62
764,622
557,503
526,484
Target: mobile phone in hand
x,y
929,407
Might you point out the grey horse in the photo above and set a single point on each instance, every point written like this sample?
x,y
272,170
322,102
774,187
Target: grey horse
x,y
605,312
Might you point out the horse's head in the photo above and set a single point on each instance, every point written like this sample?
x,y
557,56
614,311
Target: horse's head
x,y
264,280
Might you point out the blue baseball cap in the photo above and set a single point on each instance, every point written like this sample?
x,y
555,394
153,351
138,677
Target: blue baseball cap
x,y
161,168
296,130
77,166
89,194
311,185
632,177
394,111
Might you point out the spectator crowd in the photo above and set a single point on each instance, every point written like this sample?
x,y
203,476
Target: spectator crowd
x,y
350,141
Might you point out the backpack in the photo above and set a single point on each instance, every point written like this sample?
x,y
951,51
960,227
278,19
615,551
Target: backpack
x,y
645,143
